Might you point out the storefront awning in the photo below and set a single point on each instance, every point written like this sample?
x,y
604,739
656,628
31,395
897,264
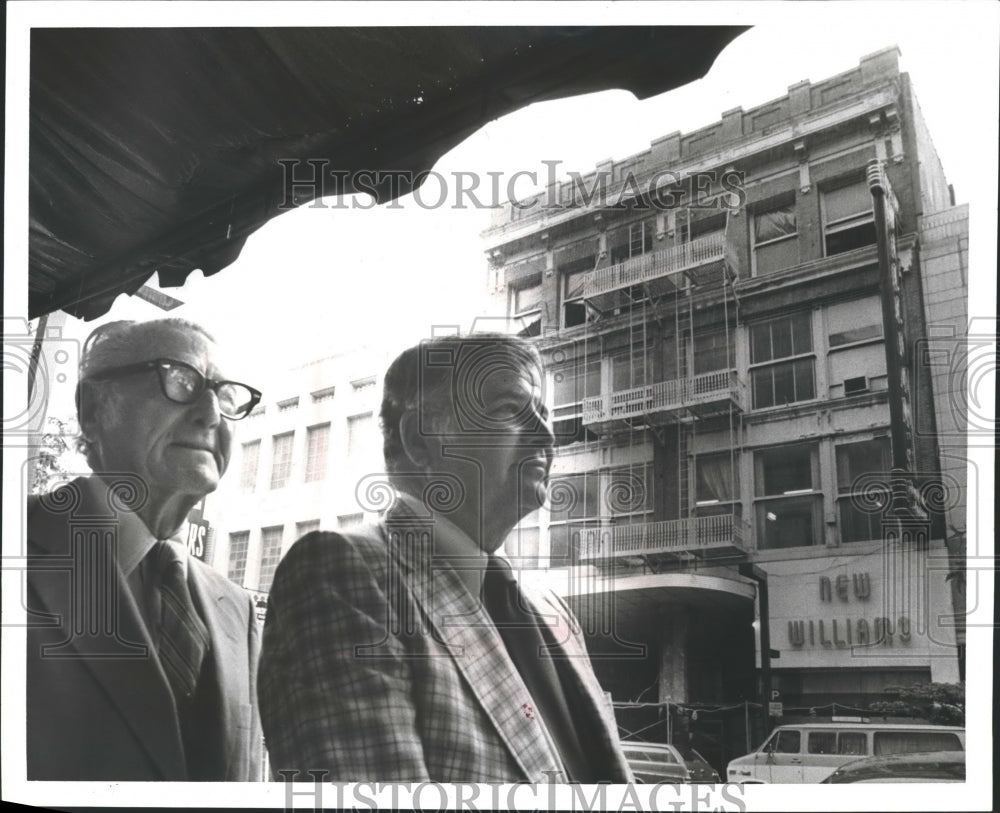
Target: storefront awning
x,y
162,150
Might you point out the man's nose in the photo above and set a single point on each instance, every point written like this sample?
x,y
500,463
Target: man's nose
x,y
206,409
541,431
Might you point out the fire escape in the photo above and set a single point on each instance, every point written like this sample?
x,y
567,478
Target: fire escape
x,y
665,288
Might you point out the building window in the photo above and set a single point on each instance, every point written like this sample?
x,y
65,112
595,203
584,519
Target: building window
x,y
574,308
270,553
629,494
630,241
861,517
848,218
239,543
789,503
574,508
691,229
257,411
717,484
527,308
288,404
348,521
714,350
572,276
856,358
248,467
631,369
782,363
570,385
859,320
317,443
584,504
307,527
360,434
775,239
281,459
323,395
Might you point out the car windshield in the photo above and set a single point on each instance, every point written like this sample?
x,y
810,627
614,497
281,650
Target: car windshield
x,y
688,754
651,755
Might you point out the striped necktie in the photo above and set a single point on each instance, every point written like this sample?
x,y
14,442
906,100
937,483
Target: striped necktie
x,y
184,639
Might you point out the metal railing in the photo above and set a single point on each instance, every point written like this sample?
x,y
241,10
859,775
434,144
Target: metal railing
x,y
648,267
667,536
665,395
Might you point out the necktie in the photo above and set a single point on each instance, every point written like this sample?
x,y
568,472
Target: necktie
x,y
184,637
522,632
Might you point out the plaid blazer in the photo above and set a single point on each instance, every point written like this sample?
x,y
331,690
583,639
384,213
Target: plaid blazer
x,y
377,665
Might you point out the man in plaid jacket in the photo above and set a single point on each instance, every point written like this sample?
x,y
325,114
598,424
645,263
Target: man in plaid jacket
x,y
379,660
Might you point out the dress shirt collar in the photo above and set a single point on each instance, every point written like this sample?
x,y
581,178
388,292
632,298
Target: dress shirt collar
x,y
452,544
135,540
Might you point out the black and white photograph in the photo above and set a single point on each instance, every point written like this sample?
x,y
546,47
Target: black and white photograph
x,y
497,406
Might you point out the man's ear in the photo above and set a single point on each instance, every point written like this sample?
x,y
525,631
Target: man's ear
x,y
420,447
93,409
87,407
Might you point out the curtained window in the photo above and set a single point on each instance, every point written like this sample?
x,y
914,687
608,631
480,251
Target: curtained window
x,y
775,239
716,484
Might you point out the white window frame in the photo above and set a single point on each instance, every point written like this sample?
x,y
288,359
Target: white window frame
x,y
316,460
764,210
773,363
248,478
285,460
845,493
843,224
270,555
813,494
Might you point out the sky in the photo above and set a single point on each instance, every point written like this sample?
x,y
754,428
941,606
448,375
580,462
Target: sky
x,y
385,276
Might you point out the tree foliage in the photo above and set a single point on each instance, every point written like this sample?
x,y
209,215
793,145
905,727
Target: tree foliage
x,y
939,703
49,465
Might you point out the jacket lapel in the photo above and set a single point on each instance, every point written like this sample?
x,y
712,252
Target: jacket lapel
x,y
462,625
122,659
570,649
229,656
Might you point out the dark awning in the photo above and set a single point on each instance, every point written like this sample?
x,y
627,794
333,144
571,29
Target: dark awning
x,y
158,150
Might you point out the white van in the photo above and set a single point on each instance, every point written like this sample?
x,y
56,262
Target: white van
x,y
812,751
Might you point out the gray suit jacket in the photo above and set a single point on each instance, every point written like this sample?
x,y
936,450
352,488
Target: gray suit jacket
x,y
378,665
99,706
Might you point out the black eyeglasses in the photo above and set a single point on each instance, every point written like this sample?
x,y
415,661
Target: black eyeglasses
x,y
183,384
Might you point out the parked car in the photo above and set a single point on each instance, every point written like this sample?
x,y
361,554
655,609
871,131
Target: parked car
x,y
656,762
932,766
811,752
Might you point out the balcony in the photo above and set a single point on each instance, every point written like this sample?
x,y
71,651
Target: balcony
x,y
694,264
695,535
667,401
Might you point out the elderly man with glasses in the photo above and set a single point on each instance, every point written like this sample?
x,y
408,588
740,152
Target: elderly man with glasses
x,y
141,660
